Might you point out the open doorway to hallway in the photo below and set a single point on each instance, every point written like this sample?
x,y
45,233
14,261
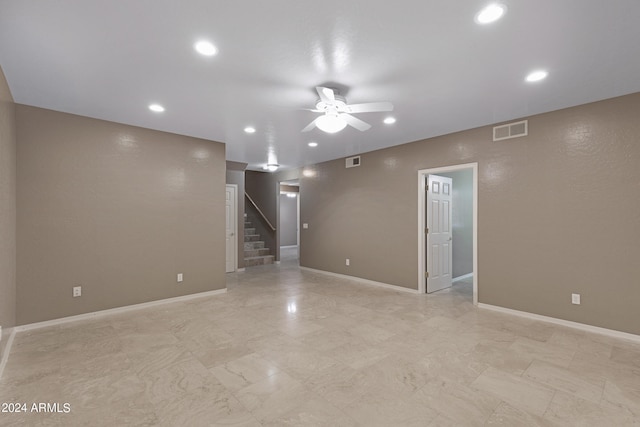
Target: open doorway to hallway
x,y
448,229
289,221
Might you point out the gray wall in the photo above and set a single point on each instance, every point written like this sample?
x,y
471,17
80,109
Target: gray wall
x,y
235,175
117,209
462,218
7,212
288,220
558,213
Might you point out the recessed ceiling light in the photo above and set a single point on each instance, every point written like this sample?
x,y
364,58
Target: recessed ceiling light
x,y
205,48
250,129
389,120
491,13
272,167
536,76
156,108
312,144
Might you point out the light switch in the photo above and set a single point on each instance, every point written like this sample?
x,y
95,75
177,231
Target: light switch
x,y
305,225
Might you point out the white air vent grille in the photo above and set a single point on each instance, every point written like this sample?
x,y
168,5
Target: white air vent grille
x,y
511,130
352,162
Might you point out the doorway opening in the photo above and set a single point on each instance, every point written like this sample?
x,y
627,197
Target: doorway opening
x,y
289,221
448,227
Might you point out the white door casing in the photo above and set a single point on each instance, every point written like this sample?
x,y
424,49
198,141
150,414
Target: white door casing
x,y
422,223
231,229
439,232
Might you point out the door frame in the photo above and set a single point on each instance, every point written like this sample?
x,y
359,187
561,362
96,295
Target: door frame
x,y
235,231
279,183
422,210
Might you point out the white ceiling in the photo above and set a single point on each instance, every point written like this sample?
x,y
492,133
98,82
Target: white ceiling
x,y
443,72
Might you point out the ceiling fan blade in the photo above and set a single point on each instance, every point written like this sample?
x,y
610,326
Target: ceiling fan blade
x,y
310,126
369,107
326,94
355,122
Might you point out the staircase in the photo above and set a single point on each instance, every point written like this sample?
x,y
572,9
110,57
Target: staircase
x,y
254,251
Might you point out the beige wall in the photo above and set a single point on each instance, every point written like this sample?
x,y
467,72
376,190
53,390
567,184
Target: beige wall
x,y
117,209
7,212
462,218
235,175
559,213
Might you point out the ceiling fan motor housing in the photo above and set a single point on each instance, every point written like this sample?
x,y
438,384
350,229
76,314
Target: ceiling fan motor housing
x,y
340,103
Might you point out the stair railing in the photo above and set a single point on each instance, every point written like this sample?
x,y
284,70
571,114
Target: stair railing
x,y
259,211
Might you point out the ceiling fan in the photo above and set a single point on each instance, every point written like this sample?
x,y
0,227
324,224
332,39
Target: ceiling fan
x,y
337,113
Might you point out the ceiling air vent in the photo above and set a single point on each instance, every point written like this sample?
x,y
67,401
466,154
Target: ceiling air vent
x,y
511,130
352,162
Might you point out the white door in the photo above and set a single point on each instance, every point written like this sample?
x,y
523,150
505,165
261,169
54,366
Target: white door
x,y
439,234
230,208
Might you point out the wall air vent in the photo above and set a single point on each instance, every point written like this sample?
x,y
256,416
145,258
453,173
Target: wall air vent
x,y
352,162
511,130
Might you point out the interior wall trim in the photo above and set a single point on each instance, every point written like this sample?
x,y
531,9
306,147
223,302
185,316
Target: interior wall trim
x,y
7,350
422,210
568,323
362,281
116,310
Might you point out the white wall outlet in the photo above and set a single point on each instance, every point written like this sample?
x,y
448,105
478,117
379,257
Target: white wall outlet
x,y
77,291
179,277
575,299
348,261
305,225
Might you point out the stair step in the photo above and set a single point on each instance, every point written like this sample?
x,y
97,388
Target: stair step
x,y
258,260
248,246
251,237
249,231
250,253
247,223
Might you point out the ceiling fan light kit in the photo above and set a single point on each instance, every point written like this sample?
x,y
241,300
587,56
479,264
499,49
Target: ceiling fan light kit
x,y
330,123
337,113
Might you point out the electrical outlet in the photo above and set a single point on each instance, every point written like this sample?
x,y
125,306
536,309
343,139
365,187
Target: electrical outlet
x,y
179,277
77,291
348,261
575,299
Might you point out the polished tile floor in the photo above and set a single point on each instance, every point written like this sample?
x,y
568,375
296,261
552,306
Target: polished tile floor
x,y
288,347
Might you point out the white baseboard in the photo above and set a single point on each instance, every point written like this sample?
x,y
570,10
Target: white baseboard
x,y
363,281
116,310
7,350
288,247
575,325
240,270
463,277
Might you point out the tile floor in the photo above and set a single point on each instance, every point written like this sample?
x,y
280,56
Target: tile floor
x,y
288,347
